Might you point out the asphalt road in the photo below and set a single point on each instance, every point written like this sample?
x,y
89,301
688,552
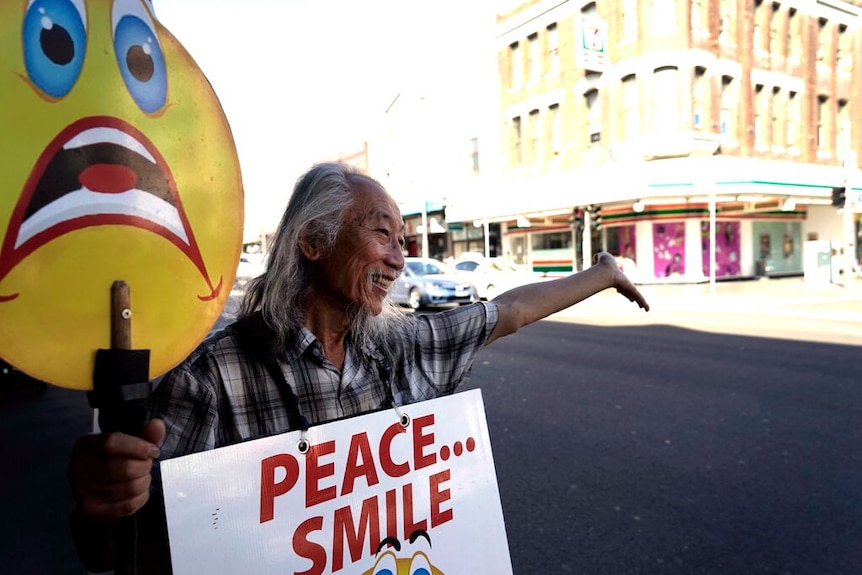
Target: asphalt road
x,y
619,449
657,449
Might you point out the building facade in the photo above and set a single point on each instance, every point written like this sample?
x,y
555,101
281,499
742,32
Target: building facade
x,y
697,138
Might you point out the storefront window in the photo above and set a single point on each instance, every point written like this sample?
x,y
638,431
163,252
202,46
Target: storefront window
x,y
777,247
552,251
467,238
858,225
669,249
621,241
726,248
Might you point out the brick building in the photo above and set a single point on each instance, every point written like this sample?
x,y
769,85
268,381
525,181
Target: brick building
x,y
679,133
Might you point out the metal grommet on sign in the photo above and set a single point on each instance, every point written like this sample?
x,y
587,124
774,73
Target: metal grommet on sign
x,y
403,418
303,445
126,313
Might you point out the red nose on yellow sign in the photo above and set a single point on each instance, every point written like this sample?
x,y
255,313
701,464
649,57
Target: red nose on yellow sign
x,y
118,165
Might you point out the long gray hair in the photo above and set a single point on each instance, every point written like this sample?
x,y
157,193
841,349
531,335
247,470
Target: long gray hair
x,y
315,212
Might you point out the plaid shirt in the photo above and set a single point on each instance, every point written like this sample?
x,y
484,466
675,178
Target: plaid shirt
x,y
221,395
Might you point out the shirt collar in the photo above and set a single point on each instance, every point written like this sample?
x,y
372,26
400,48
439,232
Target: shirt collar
x,y
298,345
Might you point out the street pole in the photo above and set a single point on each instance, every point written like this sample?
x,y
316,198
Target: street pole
x,y
849,233
425,229
712,228
587,244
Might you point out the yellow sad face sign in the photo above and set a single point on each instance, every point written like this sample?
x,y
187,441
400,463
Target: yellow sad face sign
x,y
117,165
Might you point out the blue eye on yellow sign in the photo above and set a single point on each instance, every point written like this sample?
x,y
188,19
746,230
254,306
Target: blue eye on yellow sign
x,y
117,164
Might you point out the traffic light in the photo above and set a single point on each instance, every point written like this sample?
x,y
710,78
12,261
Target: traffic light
x,y
839,197
597,217
578,218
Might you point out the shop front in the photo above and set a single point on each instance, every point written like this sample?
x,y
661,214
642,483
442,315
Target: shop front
x,y
674,220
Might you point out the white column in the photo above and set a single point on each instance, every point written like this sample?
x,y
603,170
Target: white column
x,y
849,234
712,226
588,240
425,229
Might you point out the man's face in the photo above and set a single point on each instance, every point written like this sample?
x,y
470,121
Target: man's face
x,y
368,254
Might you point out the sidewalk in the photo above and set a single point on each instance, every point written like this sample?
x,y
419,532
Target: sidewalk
x,y
759,295
789,308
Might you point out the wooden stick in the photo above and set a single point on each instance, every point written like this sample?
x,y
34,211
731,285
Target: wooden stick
x,y
121,316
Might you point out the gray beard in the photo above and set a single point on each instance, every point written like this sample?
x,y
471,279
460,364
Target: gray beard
x,y
369,331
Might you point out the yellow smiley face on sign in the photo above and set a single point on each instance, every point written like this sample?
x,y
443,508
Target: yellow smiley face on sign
x,y
118,164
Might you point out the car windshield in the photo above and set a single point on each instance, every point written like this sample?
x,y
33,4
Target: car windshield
x,y
503,265
466,266
424,268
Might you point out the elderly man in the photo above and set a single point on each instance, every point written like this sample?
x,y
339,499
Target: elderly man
x,y
317,340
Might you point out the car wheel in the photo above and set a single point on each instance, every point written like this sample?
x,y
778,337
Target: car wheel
x,y
414,299
491,292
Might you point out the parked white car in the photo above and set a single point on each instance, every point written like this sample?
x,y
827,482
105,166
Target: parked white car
x,y
249,267
493,276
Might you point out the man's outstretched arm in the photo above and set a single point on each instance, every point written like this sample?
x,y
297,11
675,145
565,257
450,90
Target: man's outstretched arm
x,y
529,303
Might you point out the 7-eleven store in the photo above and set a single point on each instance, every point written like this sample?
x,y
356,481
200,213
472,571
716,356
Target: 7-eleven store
x,y
672,218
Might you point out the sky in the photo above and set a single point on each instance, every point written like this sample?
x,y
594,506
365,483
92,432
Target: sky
x,y
301,80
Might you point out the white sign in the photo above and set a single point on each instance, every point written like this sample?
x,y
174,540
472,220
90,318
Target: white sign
x,y
592,36
369,497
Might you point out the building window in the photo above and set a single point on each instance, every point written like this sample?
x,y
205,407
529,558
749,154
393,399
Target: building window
x,y
535,57
631,114
822,121
843,122
774,22
556,124
726,14
594,116
790,129
517,65
794,37
551,241
822,39
759,115
728,101
663,15
474,155
776,107
665,100
517,152
758,27
700,98
697,16
629,19
553,50
845,54
535,153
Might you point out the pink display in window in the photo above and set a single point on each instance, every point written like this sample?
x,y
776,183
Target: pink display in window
x,y
669,249
726,248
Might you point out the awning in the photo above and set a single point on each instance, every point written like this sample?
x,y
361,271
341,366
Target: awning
x,y
688,178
